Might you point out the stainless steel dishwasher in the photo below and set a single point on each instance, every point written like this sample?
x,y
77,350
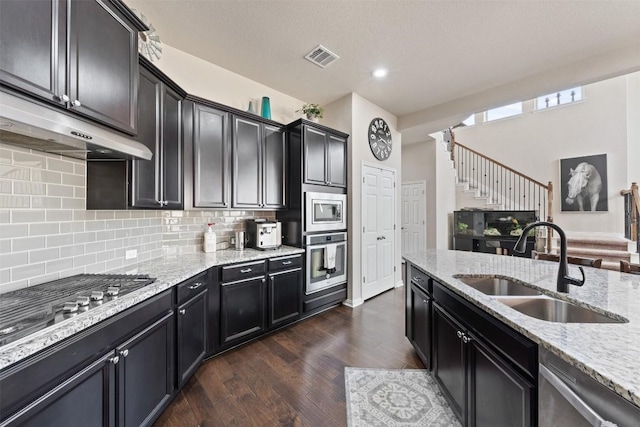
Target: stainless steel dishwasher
x,y
570,398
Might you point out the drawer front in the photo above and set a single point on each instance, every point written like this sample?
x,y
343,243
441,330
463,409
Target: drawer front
x,y
192,287
285,262
419,278
243,271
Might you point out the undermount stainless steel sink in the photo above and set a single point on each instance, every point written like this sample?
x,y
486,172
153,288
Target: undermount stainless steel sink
x,y
555,310
497,286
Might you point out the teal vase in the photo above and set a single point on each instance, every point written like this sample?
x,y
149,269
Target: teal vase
x,y
266,107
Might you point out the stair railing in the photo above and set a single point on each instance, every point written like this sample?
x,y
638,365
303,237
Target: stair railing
x,y
502,184
632,214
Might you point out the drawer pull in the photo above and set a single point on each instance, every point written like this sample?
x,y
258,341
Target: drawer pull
x,y
417,279
124,353
459,334
246,270
114,360
286,262
182,311
195,286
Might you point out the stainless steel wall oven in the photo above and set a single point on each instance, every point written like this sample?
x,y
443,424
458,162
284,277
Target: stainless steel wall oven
x,y
326,261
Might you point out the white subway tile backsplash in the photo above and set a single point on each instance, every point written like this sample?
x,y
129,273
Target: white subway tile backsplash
x,y
59,190
27,272
44,255
46,233
41,202
37,229
60,166
21,216
13,230
46,176
28,244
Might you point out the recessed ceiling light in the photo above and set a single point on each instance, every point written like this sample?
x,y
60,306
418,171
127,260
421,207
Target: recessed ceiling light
x,y
380,72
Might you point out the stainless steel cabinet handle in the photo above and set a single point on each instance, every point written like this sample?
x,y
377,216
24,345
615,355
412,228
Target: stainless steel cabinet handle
x,y
246,270
114,360
286,262
264,281
124,353
195,286
417,279
63,98
165,202
466,339
159,202
459,334
424,301
76,103
182,311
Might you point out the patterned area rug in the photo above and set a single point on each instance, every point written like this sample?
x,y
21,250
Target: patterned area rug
x,y
395,397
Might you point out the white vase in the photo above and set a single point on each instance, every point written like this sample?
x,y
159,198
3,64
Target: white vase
x,y
311,118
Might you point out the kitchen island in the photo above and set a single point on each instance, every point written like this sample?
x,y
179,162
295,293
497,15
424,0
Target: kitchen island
x,y
168,272
607,352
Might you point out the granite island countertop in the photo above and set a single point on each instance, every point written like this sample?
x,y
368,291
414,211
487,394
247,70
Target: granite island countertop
x,y
608,352
168,271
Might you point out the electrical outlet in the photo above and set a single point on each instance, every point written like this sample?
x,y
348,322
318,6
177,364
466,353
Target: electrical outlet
x,y
131,254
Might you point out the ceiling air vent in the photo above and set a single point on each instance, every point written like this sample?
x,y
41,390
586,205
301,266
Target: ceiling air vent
x,y
321,56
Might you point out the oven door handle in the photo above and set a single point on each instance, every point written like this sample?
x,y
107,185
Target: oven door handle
x,y
591,416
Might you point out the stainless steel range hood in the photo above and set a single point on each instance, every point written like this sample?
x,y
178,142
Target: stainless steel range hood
x,y
29,125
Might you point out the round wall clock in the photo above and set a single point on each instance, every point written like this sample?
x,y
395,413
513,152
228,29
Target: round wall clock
x,y
149,44
380,139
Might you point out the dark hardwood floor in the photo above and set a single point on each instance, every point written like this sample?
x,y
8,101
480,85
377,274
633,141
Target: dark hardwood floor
x,y
295,377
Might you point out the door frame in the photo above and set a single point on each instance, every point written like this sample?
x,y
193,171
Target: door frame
x,y
424,204
395,219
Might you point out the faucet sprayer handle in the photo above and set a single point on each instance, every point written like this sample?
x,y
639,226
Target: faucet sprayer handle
x,y
575,281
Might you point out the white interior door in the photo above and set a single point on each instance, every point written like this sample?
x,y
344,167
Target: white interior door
x,y
378,235
414,217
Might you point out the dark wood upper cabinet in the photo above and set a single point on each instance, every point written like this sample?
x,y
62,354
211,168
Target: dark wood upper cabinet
x,y
172,167
325,157
247,163
258,165
87,63
209,147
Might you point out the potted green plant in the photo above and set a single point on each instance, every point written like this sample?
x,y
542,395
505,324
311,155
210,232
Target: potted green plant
x,y
312,111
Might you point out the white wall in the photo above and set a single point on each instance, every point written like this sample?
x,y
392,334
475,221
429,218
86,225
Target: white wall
x,y
362,112
633,128
206,80
533,143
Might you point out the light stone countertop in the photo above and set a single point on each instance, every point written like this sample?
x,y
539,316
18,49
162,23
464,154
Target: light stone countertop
x,y
168,271
608,352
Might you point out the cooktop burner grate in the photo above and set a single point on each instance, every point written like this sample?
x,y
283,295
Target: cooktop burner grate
x,y
27,310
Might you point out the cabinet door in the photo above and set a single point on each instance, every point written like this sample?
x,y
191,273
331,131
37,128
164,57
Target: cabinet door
x,y
146,373
315,156
337,155
211,158
192,336
145,174
284,297
241,309
498,395
103,65
274,168
172,175
421,321
247,164
449,359
85,399
33,47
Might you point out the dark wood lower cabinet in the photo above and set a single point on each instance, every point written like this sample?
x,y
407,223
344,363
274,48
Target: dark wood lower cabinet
x,y
421,321
498,395
192,335
285,290
242,314
145,373
85,399
449,359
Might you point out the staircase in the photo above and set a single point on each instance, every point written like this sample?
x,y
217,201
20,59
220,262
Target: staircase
x,y
484,183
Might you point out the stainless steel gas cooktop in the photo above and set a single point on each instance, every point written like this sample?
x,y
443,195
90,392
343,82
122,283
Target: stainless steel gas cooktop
x,y
31,309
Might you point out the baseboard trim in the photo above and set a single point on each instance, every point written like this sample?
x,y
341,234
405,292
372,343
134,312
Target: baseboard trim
x,y
399,284
352,303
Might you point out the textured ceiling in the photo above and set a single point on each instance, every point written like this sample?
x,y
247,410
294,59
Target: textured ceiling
x,y
436,51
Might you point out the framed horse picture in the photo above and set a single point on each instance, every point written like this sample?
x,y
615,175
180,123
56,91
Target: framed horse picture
x,y
583,184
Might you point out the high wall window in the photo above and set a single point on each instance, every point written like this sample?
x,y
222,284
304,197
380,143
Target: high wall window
x,y
470,121
504,111
559,98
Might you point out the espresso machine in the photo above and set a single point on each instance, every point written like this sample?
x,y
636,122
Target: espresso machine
x,y
264,234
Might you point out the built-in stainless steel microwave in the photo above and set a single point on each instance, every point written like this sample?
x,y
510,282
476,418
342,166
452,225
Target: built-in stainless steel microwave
x,y
325,211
